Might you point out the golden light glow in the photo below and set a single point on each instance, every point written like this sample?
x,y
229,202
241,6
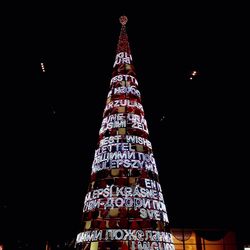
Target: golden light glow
x,y
94,245
183,240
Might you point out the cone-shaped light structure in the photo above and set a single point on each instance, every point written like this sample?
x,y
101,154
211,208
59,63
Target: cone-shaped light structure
x,y
124,207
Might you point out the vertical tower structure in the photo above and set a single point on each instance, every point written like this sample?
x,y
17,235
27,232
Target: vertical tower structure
x,y
124,207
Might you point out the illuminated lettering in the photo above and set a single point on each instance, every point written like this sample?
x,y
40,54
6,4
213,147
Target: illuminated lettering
x,y
129,202
128,139
122,58
150,214
125,90
89,236
120,146
157,238
120,78
152,184
120,120
130,234
127,159
123,103
109,203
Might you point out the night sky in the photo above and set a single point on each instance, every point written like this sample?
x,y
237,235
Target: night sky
x,y
50,121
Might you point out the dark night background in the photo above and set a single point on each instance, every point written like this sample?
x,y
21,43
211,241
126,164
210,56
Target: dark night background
x,y
50,121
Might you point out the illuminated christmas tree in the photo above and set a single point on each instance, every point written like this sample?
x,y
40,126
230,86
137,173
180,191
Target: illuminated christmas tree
x,y
124,207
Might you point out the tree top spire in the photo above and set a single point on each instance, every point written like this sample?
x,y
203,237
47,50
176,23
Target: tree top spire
x,y
123,20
